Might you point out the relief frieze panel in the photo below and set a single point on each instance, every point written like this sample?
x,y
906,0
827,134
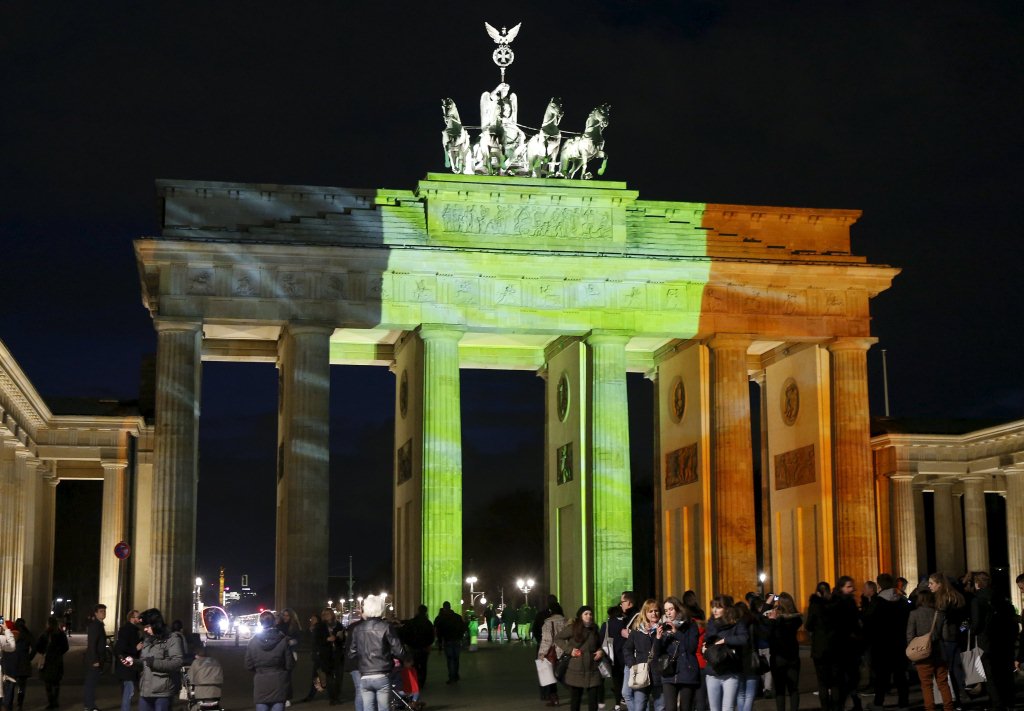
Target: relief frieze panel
x,y
199,281
293,284
795,468
533,221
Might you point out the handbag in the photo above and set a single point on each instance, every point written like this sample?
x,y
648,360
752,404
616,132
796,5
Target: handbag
x,y
640,673
545,672
920,647
605,668
667,663
974,672
562,666
722,658
608,646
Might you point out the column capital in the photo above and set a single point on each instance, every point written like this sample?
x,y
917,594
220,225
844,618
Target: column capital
x,y
22,454
300,328
850,343
901,476
603,338
440,332
730,340
114,464
965,478
941,482
174,324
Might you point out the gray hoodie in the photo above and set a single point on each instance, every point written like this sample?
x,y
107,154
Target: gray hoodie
x,y
270,658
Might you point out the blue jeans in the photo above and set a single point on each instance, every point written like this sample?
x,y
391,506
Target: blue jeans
x,y
154,703
127,692
451,655
747,693
376,691
276,706
641,697
722,692
356,676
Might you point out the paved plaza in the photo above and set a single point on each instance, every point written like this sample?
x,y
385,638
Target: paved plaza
x,y
495,678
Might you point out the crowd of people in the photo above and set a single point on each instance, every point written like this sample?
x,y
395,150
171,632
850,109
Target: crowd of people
x,y
949,635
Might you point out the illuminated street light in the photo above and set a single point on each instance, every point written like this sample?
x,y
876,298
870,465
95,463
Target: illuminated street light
x,y
474,595
197,605
525,586
761,578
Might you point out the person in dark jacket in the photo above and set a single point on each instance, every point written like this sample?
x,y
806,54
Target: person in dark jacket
x,y
584,646
450,628
845,643
95,648
128,644
994,620
53,645
678,642
618,630
417,634
269,657
885,622
374,645
640,647
723,677
329,639
784,650
288,624
17,664
819,631
160,660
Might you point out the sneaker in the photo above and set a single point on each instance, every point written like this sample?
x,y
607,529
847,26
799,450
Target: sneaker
x,y
600,706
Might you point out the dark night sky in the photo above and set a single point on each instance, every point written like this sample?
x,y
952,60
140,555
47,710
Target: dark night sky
x,y
909,111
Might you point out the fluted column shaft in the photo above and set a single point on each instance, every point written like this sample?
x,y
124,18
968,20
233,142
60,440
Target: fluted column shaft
x,y
112,527
975,523
942,499
32,599
304,459
1015,528
904,526
733,535
8,448
18,501
609,456
855,516
175,474
441,576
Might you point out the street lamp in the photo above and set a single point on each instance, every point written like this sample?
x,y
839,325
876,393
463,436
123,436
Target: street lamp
x,y
525,586
474,595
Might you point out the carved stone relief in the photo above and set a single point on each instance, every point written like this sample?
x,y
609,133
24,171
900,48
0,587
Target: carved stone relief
x,y
681,467
404,463
794,468
540,221
563,473
200,281
789,402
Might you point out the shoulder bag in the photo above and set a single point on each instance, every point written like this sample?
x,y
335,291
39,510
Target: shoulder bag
x,y
562,666
667,663
640,673
920,648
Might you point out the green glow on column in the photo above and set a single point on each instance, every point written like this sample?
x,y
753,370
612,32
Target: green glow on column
x,y
584,515
611,485
441,524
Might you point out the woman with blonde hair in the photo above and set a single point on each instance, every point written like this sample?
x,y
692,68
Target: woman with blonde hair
x,y
951,603
644,632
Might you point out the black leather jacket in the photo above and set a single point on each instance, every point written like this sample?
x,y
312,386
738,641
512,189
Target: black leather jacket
x,y
373,644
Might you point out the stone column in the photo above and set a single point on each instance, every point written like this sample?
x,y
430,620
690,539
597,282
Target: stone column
x,y
16,503
8,448
853,481
32,599
609,468
304,467
975,523
112,527
904,526
733,536
942,498
176,449
441,577
921,529
1015,528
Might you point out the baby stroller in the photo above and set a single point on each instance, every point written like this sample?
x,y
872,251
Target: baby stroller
x,y
405,690
201,697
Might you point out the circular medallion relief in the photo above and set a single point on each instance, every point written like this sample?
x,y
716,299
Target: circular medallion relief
x,y
789,404
562,396
403,394
677,406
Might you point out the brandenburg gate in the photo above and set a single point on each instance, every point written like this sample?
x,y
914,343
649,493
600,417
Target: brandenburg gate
x,y
579,281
